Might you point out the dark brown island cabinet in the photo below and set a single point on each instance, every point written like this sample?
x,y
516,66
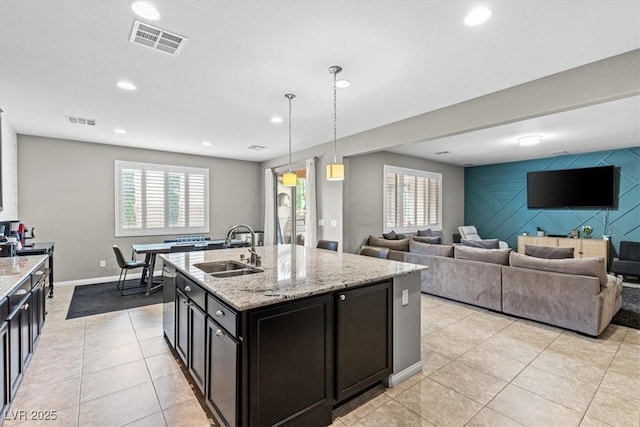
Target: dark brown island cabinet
x,y
23,311
290,363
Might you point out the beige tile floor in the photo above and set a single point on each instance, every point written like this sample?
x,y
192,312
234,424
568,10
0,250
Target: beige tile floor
x,y
480,369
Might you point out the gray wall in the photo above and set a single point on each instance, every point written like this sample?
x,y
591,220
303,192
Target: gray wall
x,y
66,191
364,192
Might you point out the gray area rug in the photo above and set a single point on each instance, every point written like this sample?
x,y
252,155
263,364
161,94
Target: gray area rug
x,y
629,314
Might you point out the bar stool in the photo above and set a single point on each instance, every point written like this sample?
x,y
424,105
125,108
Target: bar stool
x,y
374,251
330,245
125,266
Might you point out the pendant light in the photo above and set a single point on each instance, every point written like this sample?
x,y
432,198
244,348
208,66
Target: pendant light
x,y
289,179
335,170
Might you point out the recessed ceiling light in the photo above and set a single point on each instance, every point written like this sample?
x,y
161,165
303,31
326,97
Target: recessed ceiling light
x,y
119,131
146,10
206,143
530,140
126,85
477,16
276,119
342,83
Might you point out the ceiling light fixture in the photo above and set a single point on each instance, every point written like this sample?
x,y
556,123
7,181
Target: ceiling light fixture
x,y
206,143
289,179
530,140
126,85
335,170
276,119
145,10
119,131
477,16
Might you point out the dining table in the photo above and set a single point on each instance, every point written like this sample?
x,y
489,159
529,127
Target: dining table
x,y
150,250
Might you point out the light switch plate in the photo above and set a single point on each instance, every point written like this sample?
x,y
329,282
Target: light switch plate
x,y
334,222
405,296
321,223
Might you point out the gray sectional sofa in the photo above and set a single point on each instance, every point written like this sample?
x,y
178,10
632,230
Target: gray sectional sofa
x,y
575,294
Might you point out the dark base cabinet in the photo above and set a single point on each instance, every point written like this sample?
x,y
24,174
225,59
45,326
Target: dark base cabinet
x,y
291,363
222,383
363,322
286,364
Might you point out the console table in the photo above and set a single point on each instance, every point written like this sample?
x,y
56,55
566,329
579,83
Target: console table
x,y
583,248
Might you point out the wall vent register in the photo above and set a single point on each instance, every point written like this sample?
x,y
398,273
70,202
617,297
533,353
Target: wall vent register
x,y
156,38
81,121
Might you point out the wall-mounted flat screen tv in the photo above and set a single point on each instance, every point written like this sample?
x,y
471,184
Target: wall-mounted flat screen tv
x,y
577,188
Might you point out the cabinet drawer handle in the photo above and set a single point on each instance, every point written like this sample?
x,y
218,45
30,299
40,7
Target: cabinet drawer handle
x,y
187,288
219,313
219,333
343,297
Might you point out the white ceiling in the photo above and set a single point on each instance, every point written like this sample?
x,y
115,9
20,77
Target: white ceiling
x,y
404,58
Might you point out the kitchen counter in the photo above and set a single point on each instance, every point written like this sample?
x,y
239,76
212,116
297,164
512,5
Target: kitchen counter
x,y
285,277
13,270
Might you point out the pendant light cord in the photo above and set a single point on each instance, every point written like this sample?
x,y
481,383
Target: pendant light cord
x,y
289,96
335,115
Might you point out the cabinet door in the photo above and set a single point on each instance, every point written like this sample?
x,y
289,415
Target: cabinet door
x,y
15,347
4,365
182,326
363,339
37,312
26,331
291,363
222,373
197,344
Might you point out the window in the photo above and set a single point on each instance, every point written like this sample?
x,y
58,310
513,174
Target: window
x,y
412,199
160,199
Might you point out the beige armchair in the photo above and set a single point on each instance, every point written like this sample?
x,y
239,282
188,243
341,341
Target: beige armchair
x,y
469,232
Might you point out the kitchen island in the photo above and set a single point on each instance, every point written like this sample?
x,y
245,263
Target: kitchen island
x,y
303,334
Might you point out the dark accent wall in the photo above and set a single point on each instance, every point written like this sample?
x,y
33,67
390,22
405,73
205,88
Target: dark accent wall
x,y
495,198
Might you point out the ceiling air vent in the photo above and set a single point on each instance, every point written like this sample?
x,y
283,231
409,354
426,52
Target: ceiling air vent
x,y
443,152
81,121
156,38
256,147
560,153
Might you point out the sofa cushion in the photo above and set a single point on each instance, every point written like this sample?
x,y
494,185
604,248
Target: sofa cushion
x,y
484,244
430,249
549,252
594,267
425,233
398,245
434,240
493,256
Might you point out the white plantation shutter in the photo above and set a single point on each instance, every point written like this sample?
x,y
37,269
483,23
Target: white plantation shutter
x,y
412,199
160,199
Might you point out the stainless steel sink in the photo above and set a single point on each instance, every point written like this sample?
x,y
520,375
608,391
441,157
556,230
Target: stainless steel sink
x,y
226,268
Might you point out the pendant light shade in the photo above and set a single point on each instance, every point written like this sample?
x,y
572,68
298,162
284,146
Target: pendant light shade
x,y
289,179
335,170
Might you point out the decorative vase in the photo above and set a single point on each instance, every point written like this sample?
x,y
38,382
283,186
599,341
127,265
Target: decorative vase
x,y
540,233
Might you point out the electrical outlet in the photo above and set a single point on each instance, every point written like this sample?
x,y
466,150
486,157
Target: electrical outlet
x,y
321,223
334,222
405,296
103,263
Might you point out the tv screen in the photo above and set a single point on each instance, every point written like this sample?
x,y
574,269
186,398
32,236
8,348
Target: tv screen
x,y
578,188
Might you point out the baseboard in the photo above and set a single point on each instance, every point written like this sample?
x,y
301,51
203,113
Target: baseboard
x,y
395,379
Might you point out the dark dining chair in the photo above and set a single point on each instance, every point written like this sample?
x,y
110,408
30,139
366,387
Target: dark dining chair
x,y
327,244
125,266
374,251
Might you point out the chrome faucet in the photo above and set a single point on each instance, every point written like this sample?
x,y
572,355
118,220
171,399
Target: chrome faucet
x,y
255,258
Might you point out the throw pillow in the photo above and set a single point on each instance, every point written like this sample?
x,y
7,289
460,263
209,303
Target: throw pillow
x,y
434,240
430,249
425,233
594,267
398,245
390,235
484,243
493,256
548,252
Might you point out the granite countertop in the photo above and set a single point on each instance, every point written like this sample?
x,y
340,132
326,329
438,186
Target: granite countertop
x,y
309,272
13,270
